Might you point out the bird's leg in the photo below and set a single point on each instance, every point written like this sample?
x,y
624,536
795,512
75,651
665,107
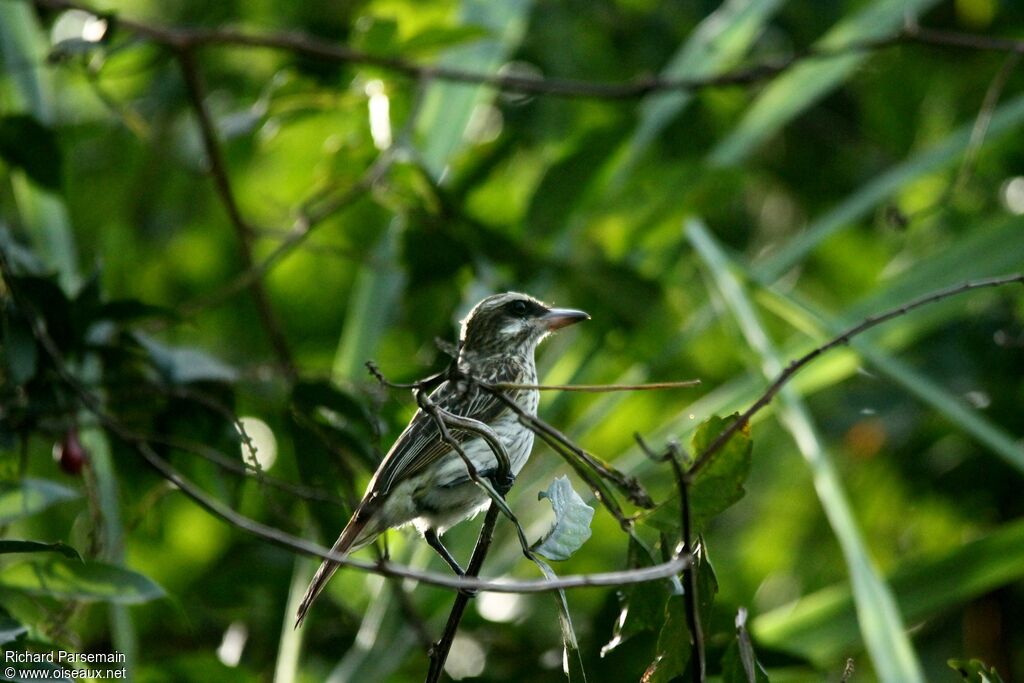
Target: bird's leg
x,y
434,541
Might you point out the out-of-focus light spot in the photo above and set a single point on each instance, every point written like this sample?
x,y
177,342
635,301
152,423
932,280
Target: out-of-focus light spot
x,y
261,440
380,114
230,651
777,589
978,399
552,658
466,659
976,13
78,25
1013,195
867,411
485,124
499,607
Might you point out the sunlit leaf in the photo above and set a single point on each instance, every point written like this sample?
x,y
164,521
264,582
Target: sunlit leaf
x,y
572,660
572,521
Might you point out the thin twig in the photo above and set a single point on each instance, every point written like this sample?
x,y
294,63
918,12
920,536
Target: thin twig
x,y
600,388
189,38
673,455
243,232
705,456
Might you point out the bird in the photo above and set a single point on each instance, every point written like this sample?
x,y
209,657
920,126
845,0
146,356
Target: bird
x,y
422,480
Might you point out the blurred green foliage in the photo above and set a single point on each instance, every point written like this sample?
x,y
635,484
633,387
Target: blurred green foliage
x,y
835,190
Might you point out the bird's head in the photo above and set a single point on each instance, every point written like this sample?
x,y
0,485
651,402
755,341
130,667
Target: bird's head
x,y
512,323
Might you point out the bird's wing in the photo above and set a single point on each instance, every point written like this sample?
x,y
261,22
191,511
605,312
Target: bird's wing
x,y
421,443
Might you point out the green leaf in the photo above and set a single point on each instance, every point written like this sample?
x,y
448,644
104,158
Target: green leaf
x,y
822,627
181,365
29,145
29,497
975,671
1007,117
642,605
739,664
810,80
38,547
717,486
10,628
572,660
441,37
19,349
716,44
673,651
572,521
86,581
881,624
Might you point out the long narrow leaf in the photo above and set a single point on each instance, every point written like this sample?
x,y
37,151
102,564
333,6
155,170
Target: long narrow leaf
x,y
806,83
881,626
823,626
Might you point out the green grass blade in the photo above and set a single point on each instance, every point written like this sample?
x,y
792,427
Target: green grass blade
x,y
716,44
880,623
823,626
969,420
807,82
448,107
22,43
1006,118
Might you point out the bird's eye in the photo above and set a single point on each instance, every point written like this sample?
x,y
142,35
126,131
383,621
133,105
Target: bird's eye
x,y
519,307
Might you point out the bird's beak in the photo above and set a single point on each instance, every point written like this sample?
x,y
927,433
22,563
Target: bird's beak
x,y
557,318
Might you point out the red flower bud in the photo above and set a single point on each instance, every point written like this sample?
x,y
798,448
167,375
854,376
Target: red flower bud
x,y
70,453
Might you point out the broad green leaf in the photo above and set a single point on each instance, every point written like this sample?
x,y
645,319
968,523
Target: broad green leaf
x,y
881,625
641,605
8,546
717,486
86,581
674,647
181,365
810,80
32,147
571,528
30,496
822,626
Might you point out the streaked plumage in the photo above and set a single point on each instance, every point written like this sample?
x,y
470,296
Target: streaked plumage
x,y
422,480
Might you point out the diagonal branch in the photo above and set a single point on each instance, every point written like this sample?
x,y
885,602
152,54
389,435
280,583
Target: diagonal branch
x,y
243,232
842,338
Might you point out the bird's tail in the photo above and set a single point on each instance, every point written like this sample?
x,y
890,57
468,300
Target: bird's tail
x,y
354,536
